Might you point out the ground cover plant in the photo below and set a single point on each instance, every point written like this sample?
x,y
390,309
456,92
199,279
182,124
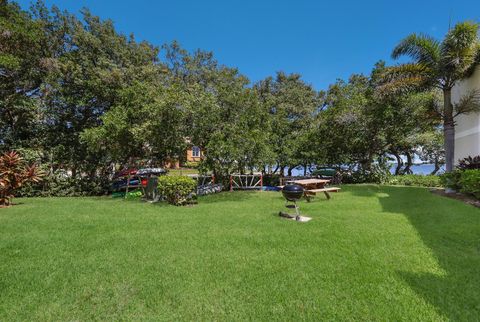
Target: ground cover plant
x,y
416,180
370,253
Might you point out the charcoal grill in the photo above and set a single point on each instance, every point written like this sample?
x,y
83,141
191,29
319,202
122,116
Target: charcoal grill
x,y
293,193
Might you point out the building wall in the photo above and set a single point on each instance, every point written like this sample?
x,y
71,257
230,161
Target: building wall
x,y
191,158
467,129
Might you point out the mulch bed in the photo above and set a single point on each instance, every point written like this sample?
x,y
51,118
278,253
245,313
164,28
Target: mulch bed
x,y
458,196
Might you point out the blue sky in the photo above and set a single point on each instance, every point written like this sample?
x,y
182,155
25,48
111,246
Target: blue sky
x,y
321,40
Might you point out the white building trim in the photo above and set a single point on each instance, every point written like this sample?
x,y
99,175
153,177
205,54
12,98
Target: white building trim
x,y
467,128
468,132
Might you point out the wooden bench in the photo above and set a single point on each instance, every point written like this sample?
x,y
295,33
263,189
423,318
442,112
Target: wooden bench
x,y
313,192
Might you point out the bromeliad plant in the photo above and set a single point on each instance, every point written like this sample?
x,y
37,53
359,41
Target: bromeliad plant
x,y
14,173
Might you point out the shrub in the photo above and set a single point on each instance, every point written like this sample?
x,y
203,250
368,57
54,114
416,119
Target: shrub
x,y
271,180
177,190
416,180
60,184
378,174
469,163
470,182
451,180
14,173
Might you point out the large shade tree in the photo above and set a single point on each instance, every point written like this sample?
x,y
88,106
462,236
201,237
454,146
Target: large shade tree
x,y
439,65
291,105
27,55
351,128
225,117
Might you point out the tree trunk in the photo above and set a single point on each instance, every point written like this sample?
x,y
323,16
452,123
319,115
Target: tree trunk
x,y
437,167
290,169
448,130
399,163
407,169
276,169
304,170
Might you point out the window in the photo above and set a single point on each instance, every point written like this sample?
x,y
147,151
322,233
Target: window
x,y
196,152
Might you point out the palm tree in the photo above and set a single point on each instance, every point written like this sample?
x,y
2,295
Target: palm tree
x,y
439,65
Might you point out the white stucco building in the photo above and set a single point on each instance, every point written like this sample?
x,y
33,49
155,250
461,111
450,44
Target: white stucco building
x,y
467,129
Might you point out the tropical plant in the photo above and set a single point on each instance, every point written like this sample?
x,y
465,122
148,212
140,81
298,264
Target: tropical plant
x,y
14,173
470,182
438,65
451,180
469,163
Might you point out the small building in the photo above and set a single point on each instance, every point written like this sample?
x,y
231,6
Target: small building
x,y
194,154
467,129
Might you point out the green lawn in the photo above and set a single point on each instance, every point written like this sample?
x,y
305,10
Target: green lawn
x,y
370,253
181,172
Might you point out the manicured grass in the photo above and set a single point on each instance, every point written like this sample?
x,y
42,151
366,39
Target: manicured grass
x,y
370,253
181,172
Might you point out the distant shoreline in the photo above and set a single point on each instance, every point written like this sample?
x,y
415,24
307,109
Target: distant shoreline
x,y
417,168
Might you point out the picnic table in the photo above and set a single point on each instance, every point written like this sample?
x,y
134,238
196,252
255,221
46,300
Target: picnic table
x,y
312,186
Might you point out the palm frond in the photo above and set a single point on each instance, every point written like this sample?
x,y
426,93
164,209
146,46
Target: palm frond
x,y
423,49
404,78
460,50
468,103
475,64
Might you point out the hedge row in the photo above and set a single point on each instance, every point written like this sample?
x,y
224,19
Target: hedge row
x,y
465,181
416,180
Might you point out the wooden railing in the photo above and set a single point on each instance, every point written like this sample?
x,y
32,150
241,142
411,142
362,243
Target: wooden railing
x,y
246,181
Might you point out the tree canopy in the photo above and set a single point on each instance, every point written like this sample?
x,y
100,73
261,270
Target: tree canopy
x,y
87,98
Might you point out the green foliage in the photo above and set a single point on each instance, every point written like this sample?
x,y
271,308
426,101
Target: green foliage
x,y
25,60
366,176
271,180
431,148
177,190
291,105
327,172
378,173
148,121
416,180
437,65
135,194
87,99
451,180
470,182
61,184
464,180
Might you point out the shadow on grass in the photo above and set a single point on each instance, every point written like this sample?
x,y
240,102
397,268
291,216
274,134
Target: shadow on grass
x,y
451,230
13,204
